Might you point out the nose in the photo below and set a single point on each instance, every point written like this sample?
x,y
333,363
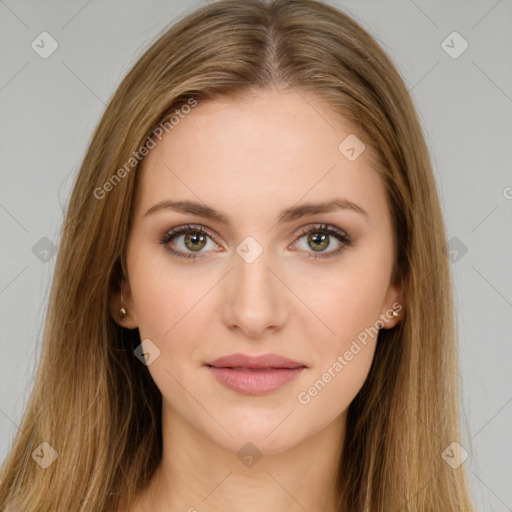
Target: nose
x,y
256,299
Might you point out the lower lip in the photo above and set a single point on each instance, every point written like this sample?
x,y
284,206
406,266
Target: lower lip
x,y
255,382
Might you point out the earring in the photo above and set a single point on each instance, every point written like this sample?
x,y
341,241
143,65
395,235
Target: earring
x,y
122,311
395,314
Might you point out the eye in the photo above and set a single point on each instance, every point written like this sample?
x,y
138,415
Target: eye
x,y
194,238
319,238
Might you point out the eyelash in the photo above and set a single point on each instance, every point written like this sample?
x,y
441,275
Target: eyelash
x,y
193,228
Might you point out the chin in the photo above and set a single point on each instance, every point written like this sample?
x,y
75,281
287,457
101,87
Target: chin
x,y
271,434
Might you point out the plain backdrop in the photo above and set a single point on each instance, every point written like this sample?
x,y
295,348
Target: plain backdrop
x,y
50,106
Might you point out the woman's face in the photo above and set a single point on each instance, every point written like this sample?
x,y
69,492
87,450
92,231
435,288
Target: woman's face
x,y
268,276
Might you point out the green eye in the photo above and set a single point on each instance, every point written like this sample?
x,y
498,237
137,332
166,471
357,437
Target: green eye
x,y
319,238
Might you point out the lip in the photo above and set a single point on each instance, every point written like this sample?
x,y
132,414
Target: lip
x,y
255,375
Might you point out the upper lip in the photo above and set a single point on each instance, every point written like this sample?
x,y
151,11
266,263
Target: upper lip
x,y
263,361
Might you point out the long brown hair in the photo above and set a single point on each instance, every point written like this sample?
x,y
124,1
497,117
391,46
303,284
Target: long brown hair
x,y
97,406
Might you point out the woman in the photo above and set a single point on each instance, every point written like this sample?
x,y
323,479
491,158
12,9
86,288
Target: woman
x,y
251,307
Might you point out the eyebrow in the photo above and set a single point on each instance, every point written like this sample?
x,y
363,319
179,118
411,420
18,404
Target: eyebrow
x,y
287,215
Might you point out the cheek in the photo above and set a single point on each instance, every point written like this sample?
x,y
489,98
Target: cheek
x,y
171,313
352,310
164,298
348,303
345,352
362,286
335,387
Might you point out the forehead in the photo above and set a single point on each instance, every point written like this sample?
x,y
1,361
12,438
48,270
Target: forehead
x,y
280,147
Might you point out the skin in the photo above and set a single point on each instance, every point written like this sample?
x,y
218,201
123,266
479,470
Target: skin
x,y
250,159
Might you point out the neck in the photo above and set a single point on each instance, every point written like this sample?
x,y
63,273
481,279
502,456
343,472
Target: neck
x,y
197,474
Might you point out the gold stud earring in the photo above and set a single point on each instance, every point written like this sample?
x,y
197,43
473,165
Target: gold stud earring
x,y
122,311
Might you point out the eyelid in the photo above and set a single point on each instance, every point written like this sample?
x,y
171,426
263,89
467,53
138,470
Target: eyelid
x,y
341,235
183,229
329,228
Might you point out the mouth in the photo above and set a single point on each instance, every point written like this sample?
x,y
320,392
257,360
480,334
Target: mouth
x,y
251,375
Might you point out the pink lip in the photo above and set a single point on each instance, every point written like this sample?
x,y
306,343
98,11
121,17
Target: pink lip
x,y
255,375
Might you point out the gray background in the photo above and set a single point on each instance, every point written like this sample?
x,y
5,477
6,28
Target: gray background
x,y
49,108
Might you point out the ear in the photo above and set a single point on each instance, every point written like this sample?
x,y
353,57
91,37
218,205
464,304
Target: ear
x,y
393,302
130,318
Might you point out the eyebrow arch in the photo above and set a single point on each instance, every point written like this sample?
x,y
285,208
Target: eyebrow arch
x,y
287,215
